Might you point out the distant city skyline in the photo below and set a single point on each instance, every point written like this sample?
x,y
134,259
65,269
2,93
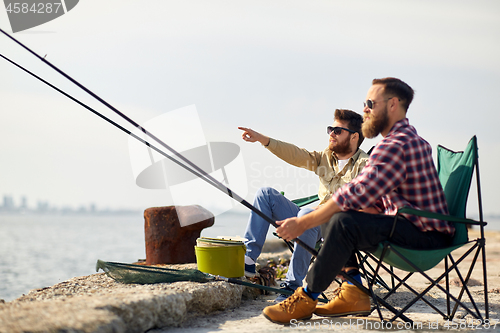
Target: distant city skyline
x,y
8,205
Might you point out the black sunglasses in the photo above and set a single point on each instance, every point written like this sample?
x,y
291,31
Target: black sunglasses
x,y
337,130
371,103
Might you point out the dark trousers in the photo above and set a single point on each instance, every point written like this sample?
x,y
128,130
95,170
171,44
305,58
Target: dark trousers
x,y
352,230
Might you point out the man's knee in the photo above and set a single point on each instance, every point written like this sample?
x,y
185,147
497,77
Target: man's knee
x,y
266,192
305,211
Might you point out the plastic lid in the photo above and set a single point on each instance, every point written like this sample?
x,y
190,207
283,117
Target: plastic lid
x,y
219,241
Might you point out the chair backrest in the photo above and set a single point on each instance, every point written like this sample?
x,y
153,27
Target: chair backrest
x,y
455,171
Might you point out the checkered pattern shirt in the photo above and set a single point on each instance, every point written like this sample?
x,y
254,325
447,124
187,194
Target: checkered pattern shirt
x,y
400,172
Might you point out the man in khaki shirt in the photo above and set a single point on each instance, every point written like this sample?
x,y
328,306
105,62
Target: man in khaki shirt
x,y
335,166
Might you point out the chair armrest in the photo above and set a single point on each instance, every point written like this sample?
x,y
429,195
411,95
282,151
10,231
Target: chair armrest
x,y
423,213
305,201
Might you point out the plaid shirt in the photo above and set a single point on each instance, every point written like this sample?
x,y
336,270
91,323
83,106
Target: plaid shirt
x,y
400,172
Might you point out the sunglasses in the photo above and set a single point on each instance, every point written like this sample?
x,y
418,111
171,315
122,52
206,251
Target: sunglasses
x,y
370,104
337,130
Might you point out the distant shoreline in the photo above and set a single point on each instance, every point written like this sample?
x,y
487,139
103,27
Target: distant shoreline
x,y
71,213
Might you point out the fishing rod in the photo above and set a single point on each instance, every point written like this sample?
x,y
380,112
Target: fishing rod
x,y
97,113
200,172
118,126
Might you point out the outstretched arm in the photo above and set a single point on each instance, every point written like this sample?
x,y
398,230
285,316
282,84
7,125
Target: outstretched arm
x,y
253,136
288,152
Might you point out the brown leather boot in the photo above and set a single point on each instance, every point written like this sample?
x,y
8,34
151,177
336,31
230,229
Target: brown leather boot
x,y
350,300
299,306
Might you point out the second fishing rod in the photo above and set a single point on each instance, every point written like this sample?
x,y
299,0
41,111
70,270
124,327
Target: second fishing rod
x,y
191,167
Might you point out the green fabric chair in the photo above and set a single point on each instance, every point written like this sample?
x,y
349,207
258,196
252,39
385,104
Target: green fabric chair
x,y
306,201
455,171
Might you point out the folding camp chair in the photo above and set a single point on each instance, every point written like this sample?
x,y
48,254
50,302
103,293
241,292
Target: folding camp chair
x,y
455,171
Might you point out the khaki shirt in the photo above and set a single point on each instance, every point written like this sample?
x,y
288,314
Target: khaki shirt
x,y
324,164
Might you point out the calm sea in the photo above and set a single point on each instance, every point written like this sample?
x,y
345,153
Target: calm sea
x,y
39,251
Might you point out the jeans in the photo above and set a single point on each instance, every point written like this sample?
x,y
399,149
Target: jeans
x,y
353,230
275,205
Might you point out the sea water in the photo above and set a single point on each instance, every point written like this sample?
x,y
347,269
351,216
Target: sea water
x,y
39,251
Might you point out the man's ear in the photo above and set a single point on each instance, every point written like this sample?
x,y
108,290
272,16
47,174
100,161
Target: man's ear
x,y
355,136
393,103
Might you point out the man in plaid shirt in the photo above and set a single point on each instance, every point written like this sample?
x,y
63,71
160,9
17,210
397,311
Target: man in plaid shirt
x,y
400,172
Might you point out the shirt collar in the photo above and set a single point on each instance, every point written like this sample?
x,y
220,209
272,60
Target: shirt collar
x,y
353,157
398,125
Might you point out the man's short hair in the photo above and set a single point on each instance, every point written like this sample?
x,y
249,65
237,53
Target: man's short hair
x,y
354,121
396,87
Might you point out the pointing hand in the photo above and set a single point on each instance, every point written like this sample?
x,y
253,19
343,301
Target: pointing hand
x,y
250,135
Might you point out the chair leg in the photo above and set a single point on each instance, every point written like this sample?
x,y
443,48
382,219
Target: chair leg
x,y
434,283
464,284
420,296
485,282
370,275
370,285
392,277
447,279
371,293
402,282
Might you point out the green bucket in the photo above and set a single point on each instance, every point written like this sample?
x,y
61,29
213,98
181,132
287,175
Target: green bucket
x,y
220,257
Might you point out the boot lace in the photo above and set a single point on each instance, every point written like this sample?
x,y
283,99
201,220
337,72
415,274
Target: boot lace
x,y
337,292
290,303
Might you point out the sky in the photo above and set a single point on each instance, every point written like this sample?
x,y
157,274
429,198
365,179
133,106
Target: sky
x,y
279,67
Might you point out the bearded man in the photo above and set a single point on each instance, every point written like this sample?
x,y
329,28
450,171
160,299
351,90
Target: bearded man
x,y
400,172
335,166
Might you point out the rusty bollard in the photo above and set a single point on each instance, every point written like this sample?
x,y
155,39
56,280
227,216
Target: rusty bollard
x,y
171,233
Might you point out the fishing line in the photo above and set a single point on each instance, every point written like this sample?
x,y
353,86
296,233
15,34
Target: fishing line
x,y
97,113
209,179
113,123
118,126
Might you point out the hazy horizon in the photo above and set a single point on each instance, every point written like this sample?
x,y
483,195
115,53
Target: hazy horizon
x,y
279,67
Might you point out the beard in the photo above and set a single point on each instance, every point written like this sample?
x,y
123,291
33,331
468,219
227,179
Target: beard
x,y
375,125
342,148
